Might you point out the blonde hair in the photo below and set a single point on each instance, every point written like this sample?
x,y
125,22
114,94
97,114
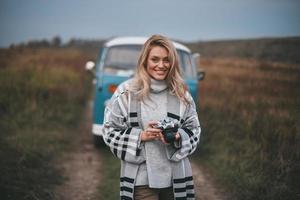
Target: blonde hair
x,y
174,80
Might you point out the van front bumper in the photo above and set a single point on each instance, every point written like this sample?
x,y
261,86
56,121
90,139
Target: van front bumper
x,y
97,129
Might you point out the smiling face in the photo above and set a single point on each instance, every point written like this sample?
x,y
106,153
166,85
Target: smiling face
x,y
158,63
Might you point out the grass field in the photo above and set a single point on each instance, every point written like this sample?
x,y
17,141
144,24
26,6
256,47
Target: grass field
x,y
250,114
109,189
42,95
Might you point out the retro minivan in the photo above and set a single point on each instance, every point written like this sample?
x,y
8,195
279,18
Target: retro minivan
x,y
117,62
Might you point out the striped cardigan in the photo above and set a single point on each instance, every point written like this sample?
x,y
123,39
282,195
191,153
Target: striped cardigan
x,y
122,128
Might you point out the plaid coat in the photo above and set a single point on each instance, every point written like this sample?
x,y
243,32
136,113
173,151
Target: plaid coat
x,y
122,128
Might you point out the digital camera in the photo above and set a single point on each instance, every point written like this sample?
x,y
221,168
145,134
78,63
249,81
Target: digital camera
x,y
169,127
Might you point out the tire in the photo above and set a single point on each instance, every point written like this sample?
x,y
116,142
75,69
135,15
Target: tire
x,y
98,141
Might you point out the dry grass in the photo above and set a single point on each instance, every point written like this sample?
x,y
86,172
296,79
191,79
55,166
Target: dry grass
x,y
250,114
42,95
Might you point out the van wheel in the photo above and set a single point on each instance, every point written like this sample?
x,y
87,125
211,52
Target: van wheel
x,y
98,141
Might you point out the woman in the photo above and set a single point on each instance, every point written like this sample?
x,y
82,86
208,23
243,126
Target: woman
x,y
152,165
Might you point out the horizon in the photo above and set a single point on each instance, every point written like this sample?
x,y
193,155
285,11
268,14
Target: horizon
x,y
174,39
193,21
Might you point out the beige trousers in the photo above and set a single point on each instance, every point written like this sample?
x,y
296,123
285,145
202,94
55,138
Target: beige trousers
x,y
146,193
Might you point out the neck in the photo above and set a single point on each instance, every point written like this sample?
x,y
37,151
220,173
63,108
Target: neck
x,y
158,86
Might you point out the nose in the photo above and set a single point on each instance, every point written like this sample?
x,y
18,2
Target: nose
x,y
161,64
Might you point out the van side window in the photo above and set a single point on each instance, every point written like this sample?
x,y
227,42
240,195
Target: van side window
x,y
186,64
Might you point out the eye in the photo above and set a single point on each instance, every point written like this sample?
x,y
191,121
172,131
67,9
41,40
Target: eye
x,y
154,59
166,60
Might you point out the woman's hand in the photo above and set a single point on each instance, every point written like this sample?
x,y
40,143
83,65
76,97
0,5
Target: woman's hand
x,y
151,133
177,136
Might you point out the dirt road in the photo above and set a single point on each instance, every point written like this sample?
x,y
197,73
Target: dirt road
x,y
204,186
82,168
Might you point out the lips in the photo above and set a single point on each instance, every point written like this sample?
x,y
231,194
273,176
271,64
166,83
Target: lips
x,y
160,72
161,69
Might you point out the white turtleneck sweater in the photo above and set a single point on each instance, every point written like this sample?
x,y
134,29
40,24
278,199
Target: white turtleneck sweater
x,y
156,172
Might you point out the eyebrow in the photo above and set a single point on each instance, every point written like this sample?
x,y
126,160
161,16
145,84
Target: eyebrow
x,y
154,56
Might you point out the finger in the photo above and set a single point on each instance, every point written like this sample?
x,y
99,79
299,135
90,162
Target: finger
x,y
164,141
162,138
152,137
155,130
160,134
152,123
155,134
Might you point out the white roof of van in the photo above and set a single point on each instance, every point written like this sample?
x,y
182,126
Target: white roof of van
x,y
138,41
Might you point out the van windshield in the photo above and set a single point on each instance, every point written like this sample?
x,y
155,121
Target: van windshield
x,y
122,61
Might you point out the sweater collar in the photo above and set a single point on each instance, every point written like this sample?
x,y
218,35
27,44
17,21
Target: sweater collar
x,y
158,86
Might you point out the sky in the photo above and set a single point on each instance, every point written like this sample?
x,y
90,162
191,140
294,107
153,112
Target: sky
x,y
185,20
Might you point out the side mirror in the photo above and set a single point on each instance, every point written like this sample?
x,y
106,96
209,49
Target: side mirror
x,y
200,75
196,57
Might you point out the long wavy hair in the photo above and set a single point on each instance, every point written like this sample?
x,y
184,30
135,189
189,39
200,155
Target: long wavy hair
x,y
141,81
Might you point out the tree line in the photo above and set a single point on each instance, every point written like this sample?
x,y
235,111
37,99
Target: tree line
x,y
56,42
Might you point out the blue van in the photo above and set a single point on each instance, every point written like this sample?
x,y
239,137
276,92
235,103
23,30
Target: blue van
x,y
117,62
